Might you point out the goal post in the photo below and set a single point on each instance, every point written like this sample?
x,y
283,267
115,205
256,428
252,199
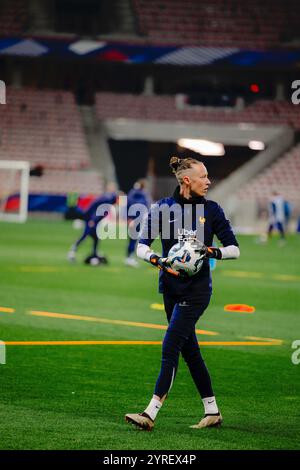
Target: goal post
x,y
14,187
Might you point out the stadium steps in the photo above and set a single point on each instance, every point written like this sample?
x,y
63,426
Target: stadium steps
x,y
283,175
126,17
243,211
40,20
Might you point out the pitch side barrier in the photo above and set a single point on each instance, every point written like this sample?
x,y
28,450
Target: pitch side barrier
x,y
173,221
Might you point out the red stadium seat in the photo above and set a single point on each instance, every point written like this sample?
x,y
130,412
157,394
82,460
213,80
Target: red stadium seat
x,y
218,23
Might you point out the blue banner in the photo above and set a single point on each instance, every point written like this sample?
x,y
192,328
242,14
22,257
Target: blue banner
x,y
143,54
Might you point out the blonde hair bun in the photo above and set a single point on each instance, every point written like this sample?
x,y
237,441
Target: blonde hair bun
x,y
180,165
175,163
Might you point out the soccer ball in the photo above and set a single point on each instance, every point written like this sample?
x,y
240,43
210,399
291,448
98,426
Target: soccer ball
x,y
96,260
186,257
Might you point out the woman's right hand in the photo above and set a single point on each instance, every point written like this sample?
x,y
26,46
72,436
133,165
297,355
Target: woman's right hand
x,y
163,264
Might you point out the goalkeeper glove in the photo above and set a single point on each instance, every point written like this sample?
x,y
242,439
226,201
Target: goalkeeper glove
x,y
212,252
162,264
207,252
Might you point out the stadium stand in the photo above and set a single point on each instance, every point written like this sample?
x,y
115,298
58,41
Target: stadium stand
x,y
283,176
218,23
163,108
285,171
43,127
13,17
61,182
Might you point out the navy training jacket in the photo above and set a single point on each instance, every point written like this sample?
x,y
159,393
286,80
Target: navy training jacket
x,y
196,217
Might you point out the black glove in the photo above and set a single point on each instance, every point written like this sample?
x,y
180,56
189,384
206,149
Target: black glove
x,y
207,252
212,252
162,264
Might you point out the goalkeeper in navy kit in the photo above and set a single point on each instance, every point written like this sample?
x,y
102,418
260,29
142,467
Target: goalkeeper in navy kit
x,y
185,298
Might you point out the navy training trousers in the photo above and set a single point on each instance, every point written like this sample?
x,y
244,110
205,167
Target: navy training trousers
x,y
182,314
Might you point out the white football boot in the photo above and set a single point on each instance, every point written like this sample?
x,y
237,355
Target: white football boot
x,y
209,421
140,420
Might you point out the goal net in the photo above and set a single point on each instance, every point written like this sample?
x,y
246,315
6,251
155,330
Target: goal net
x,y
14,182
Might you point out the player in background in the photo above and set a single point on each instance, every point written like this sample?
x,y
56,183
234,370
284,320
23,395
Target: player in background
x,y
92,220
279,214
185,299
137,195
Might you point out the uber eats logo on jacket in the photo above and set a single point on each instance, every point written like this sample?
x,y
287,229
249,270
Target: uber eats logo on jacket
x,y
2,92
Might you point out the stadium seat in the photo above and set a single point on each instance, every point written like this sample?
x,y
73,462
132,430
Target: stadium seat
x,y
217,23
43,127
14,17
163,108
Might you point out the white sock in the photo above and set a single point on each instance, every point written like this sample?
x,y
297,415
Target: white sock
x,y
210,406
153,408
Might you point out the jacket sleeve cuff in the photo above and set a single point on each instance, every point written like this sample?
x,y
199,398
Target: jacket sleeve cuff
x,y
144,252
230,252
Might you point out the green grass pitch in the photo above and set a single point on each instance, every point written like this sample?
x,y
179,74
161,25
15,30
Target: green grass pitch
x,y
76,396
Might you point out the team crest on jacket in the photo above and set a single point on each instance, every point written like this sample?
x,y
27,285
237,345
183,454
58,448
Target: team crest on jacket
x,y
202,220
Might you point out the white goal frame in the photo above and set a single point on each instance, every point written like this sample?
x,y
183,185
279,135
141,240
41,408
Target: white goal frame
x,y
24,167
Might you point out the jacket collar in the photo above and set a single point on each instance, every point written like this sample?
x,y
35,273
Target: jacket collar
x,y
181,200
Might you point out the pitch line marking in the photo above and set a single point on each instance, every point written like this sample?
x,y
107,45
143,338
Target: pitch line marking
x,y
285,277
157,307
106,320
77,343
243,274
41,269
7,310
255,275
125,343
271,340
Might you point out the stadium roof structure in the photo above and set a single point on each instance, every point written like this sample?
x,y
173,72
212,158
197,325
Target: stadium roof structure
x,y
142,54
165,131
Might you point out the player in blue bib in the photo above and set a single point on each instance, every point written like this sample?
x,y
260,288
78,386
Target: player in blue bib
x,y
92,217
137,195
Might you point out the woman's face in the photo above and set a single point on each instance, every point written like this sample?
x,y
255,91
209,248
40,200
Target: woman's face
x,y
197,180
